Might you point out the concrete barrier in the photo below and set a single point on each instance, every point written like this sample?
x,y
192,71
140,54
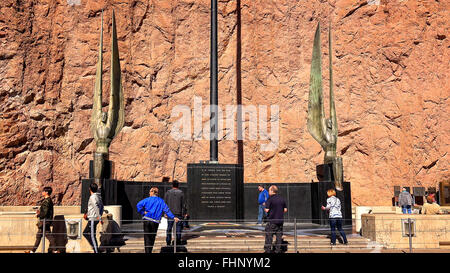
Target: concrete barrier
x,y
430,231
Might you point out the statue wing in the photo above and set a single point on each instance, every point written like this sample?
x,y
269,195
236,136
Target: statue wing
x,y
116,105
316,115
97,104
333,116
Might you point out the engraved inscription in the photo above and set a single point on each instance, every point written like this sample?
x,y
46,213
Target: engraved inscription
x,y
215,187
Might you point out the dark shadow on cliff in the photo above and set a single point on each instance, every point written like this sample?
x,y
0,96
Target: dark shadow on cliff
x,y
240,141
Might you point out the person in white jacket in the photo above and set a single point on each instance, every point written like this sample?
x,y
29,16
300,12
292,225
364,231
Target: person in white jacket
x,y
93,215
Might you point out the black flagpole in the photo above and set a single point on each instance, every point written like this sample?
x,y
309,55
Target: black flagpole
x,y
214,101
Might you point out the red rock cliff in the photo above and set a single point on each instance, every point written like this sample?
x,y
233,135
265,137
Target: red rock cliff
x,y
391,74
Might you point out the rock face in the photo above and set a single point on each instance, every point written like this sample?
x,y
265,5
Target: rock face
x,y
391,74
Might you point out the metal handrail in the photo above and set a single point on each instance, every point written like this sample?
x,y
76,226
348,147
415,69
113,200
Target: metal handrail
x,y
295,231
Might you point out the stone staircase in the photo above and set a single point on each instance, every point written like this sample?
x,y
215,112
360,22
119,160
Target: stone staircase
x,y
255,244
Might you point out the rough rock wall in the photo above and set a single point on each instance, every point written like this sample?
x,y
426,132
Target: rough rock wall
x,y
391,74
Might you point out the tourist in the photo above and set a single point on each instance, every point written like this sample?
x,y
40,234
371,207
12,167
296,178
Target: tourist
x,y
431,207
174,198
405,201
152,208
45,215
335,216
262,198
275,207
93,216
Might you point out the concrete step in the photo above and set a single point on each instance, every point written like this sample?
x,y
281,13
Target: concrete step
x,y
218,244
220,240
235,244
252,249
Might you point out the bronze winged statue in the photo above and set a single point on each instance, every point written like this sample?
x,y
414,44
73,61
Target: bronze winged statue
x,y
106,125
324,130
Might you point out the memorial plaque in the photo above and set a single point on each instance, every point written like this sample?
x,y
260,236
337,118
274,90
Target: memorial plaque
x,y
215,191
444,193
418,194
419,191
397,191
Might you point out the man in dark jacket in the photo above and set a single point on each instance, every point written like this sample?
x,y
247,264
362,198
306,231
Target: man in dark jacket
x,y
275,207
45,215
174,198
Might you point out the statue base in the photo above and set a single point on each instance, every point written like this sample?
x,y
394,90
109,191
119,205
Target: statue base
x,y
107,172
325,172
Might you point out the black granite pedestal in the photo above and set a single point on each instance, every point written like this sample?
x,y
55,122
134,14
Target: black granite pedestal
x,y
319,199
109,192
304,200
215,191
325,172
107,172
108,189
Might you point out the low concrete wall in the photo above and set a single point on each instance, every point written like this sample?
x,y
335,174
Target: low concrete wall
x,y
431,231
18,227
360,210
58,210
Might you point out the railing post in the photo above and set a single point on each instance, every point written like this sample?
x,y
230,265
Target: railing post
x,y
410,235
295,235
174,236
43,237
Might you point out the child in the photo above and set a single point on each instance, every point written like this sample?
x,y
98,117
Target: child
x,y
335,215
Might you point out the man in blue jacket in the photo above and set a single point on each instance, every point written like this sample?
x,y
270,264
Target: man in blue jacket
x,y
262,198
152,209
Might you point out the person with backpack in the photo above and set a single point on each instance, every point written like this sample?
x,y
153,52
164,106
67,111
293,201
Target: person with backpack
x,y
335,216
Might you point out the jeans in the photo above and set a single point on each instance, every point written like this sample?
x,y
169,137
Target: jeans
x,y
261,213
406,209
337,222
89,233
179,227
150,229
277,230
